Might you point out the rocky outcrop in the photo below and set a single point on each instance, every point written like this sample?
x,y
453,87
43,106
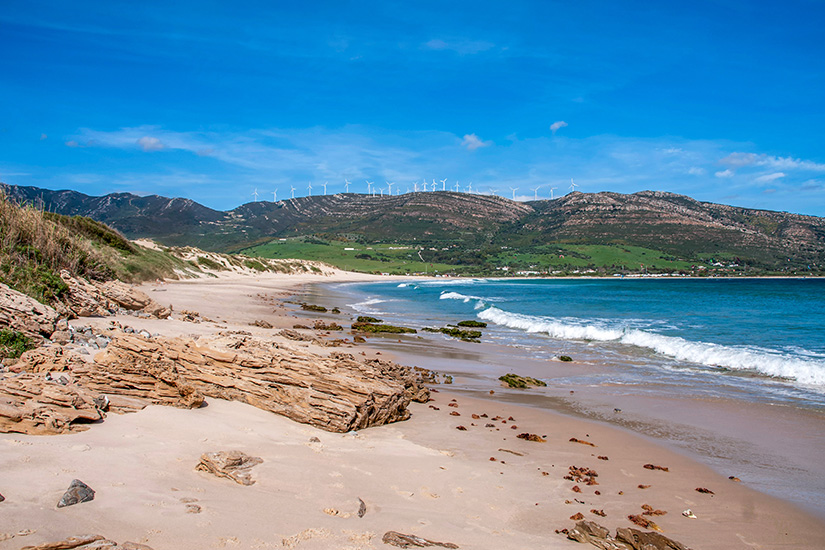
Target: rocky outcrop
x,y
84,299
336,393
25,314
394,538
234,465
37,403
626,538
132,299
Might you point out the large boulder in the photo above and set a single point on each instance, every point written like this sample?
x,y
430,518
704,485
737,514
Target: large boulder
x,y
132,299
25,314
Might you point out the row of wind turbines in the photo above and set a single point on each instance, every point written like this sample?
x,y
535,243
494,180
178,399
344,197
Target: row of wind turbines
x,y
371,189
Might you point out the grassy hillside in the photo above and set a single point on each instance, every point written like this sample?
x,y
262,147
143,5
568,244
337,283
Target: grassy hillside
x,y
36,245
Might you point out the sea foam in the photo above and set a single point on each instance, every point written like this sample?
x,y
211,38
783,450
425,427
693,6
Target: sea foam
x,y
758,360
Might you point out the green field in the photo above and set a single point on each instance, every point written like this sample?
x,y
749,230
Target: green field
x,y
401,259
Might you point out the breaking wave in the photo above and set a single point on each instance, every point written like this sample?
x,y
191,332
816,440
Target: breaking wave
x,y
753,359
365,306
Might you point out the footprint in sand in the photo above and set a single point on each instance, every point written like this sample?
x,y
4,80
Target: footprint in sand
x,y
405,494
427,493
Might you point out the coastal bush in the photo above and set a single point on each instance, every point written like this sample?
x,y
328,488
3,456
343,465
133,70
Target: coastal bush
x,y
472,323
208,263
518,381
371,327
13,343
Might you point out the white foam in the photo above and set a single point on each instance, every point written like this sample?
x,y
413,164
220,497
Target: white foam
x,y
364,307
767,362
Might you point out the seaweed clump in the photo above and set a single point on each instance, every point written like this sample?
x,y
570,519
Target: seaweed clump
x,y
518,381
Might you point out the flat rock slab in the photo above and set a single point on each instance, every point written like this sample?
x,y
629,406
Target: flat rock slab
x,y
87,542
234,465
394,538
76,493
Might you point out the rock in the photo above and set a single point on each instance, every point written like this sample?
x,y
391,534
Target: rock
x,y
518,381
24,314
336,393
132,299
234,465
76,493
87,542
84,299
401,540
2,498
359,339
590,532
639,540
362,508
51,359
643,522
577,516
531,437
655,467
260,323
61,337
32,404
575,440
704,491
193,508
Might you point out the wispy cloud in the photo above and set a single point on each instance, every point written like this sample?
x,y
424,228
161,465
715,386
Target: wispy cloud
x,y
461,47
769,177
739,159
556,126
473,142
149,144
727,173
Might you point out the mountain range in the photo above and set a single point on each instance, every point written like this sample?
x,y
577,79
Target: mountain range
x,y
673,224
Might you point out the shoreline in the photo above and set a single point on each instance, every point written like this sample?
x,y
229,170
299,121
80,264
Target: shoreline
x,y
419,476
777,455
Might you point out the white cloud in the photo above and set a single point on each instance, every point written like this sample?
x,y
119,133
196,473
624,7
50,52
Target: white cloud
x,y
558,125
72,143
781,163
696,171
473,142
150,144
728,173
770,177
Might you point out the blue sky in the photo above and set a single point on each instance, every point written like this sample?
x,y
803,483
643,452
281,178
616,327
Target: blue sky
x,y
722,101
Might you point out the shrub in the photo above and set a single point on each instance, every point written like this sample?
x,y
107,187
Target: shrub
x,y
13,343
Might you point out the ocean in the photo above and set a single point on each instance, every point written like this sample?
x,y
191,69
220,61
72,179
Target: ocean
x,y
731,371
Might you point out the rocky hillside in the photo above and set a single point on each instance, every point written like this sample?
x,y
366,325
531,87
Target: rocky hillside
x,y
674,224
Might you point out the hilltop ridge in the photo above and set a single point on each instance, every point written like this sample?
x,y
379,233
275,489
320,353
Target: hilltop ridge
x,y
674,224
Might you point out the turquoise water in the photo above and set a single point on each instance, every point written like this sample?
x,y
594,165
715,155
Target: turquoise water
x,y
762,338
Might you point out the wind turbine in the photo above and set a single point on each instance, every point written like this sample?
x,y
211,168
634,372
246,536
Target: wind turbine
x,y
309,188
513,189
346,185
470,187
389,185
424,184
433,189
325,187
275,196
457,187
444,184
382,191
536,192
369,187
293,191
572,185
255,194
551,192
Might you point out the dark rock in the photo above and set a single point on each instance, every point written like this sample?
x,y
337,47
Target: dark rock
x,y
401,540
362,508
531,437
565,358
655,467
2,498
76,493
639,540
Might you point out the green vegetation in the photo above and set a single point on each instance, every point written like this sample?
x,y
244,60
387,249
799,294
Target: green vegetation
x,y
466,335
313,307
518,381
209,263
565,358
472,323
13,343
364,319
372,327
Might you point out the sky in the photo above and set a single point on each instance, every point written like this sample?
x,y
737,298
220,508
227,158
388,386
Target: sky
x,y
213,101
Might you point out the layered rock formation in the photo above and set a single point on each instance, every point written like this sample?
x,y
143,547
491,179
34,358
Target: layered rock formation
x,y
25,314
337,393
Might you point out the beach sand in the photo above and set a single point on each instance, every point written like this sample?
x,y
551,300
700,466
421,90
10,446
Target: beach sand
x,y
478,488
